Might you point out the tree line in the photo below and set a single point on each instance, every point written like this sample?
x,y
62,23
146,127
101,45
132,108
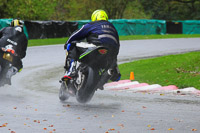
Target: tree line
x,y
116,9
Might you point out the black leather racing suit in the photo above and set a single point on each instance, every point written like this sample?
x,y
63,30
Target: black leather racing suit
x,y
15,36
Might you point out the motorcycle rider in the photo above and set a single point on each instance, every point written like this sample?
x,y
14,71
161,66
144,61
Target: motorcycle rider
x,y
13,36
97,32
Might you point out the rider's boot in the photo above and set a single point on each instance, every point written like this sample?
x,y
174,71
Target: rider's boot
x,y
114,73
11,71
70,73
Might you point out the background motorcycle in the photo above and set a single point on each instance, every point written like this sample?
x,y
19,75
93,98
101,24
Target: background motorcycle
x,y
91,73
7,55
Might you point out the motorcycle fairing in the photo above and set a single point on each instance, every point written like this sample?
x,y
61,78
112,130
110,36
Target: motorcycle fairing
x,y
93,57
89,50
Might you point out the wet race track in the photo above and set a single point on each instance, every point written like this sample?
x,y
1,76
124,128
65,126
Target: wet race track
x,y
31,104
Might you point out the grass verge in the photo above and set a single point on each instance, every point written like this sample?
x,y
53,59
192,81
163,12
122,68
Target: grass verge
x,y
52,41
49,41
181,70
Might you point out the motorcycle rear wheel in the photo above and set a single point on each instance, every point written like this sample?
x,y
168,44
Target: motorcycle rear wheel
x,y
87,88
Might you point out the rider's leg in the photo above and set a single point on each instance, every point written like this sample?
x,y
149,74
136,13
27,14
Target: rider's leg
x,y
16,67
70,70
114,72
114,69
11,71
69,64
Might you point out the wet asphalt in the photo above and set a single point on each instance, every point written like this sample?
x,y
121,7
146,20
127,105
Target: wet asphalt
x,y
31,104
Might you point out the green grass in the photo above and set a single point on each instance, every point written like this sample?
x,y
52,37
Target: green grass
x,y
52,41
49,41
181,70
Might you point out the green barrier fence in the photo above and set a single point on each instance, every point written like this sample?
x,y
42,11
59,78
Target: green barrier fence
x,y
138,26
6,23
134,26
191,26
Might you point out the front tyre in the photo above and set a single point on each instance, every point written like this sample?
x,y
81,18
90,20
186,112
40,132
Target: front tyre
x,y
86,90
63,93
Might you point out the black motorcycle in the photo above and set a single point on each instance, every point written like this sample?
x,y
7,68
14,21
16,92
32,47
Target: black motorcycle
x,y
7,55
91,73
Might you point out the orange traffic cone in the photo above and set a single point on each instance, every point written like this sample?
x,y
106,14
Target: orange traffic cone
x,y
132,76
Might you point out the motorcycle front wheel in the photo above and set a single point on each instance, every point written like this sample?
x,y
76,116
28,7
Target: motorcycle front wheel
x,y
63,93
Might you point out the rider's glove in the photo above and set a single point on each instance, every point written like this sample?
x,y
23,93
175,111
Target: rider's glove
x,y
68,46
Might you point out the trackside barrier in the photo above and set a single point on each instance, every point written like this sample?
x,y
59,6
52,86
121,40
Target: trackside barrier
x,y
44,29
58,29
6,23
135,26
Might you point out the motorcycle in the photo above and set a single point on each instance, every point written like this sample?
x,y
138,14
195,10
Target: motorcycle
x,y
91,73
7,55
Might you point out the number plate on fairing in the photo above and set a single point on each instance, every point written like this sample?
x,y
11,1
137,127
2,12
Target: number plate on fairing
x,y
8,57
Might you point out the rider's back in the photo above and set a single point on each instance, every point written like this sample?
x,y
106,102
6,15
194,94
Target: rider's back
x,y
16,37
105,32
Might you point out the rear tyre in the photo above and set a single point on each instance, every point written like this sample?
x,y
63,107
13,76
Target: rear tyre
x,y
87,87
63,93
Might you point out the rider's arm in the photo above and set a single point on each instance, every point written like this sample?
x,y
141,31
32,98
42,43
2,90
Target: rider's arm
x,y
1,33
78,35
24,48
22,41
17,62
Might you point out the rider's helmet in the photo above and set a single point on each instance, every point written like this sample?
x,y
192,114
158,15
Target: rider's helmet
x,y
99,15
16,22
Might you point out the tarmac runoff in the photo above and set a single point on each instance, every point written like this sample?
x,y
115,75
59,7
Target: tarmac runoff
x,y
135,86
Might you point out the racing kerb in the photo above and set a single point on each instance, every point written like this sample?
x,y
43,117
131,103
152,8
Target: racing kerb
x,y
135,86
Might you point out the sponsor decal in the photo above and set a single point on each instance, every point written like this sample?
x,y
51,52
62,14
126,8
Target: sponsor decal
x,y
10,41
103,51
